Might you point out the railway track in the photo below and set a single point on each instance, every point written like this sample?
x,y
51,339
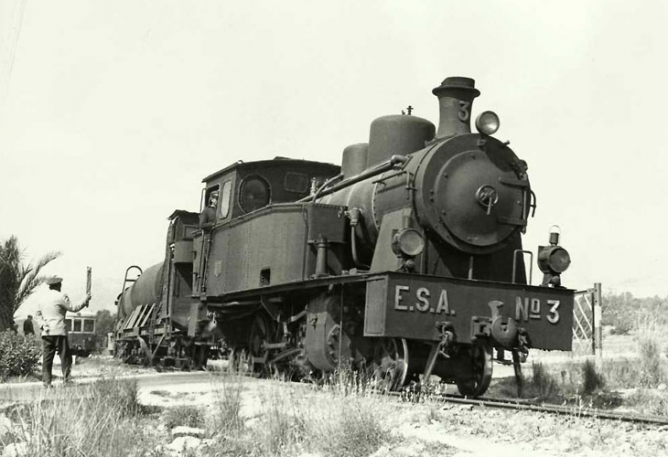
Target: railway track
x,y
513,404
527,405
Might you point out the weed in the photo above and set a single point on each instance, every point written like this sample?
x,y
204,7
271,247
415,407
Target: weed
x,y
543,385
591,379
651,366
649,402
183,415
621,373
100,419
227,405
351,429
283,424
117,395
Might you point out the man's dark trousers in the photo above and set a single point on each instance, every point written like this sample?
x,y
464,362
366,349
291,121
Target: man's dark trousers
x,y
52,344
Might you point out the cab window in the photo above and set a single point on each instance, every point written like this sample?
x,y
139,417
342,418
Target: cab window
x,y
254,193
296,182
207,195
225,200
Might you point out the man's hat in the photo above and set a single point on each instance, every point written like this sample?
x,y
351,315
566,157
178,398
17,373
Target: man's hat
x,y
54,280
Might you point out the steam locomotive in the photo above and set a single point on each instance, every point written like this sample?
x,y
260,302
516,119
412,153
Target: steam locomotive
x,y
403,263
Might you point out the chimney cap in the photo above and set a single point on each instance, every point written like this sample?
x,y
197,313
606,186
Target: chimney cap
x,y
457,82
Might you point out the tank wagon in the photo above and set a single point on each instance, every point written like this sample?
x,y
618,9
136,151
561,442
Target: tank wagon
x,y
405,262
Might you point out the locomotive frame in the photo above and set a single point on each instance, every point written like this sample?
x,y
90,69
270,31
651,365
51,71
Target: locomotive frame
x,y
404,263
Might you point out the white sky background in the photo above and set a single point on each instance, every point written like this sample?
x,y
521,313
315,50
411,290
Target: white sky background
x,y
115,110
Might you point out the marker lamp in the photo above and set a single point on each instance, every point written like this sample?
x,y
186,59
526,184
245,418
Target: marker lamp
x,y
487,123
408,242
553,259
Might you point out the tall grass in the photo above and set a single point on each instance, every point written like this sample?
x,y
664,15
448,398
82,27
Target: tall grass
x,y
184,415
99,419
294,420
542,385
652,369
592,380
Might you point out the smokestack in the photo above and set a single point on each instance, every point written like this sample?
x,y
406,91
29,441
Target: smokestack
x,y
455,97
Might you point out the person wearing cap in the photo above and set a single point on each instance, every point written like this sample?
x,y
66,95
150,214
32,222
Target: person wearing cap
x,y
207,219
51,319
208,216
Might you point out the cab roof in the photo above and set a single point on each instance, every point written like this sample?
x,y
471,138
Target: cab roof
x,y
240,164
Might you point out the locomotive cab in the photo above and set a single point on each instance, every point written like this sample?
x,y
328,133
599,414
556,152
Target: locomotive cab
x,y
246,187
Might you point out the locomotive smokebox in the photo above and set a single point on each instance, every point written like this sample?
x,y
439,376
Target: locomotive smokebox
x,y
455,97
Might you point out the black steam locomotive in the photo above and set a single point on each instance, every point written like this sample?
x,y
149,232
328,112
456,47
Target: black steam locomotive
x,y
403,263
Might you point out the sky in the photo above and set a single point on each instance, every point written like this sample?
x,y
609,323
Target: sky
x,y
112,112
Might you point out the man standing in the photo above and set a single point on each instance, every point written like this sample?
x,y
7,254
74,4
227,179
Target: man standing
x,y
28,329
207,219
208,216
51,317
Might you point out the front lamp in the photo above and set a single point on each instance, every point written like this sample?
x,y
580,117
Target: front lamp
x,y
408,242
487,123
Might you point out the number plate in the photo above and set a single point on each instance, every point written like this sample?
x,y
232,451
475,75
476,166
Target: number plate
x,y
411,306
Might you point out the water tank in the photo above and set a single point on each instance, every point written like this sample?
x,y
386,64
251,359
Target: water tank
x,y
146,290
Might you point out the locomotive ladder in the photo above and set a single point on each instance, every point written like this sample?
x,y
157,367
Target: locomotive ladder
x,y
587,310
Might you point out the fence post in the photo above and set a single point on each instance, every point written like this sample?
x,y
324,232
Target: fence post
x,y
597,334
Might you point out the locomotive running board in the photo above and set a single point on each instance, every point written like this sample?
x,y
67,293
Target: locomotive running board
x,y
417,307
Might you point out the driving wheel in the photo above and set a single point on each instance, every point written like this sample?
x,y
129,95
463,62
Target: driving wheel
x,y
388,368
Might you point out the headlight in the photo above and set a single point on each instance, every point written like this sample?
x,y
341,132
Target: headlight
x,y
487,123
408,242
553,259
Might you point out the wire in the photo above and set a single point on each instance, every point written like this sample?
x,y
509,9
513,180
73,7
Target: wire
x,y
13,45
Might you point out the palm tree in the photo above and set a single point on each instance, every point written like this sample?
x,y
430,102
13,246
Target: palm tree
x,y
17,280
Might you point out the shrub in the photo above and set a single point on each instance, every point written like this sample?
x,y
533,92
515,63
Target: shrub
x,y
19,356
591,379
543,385
358,432
649,402
622,327
121,396
106,323
99,419
651,365
185,415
